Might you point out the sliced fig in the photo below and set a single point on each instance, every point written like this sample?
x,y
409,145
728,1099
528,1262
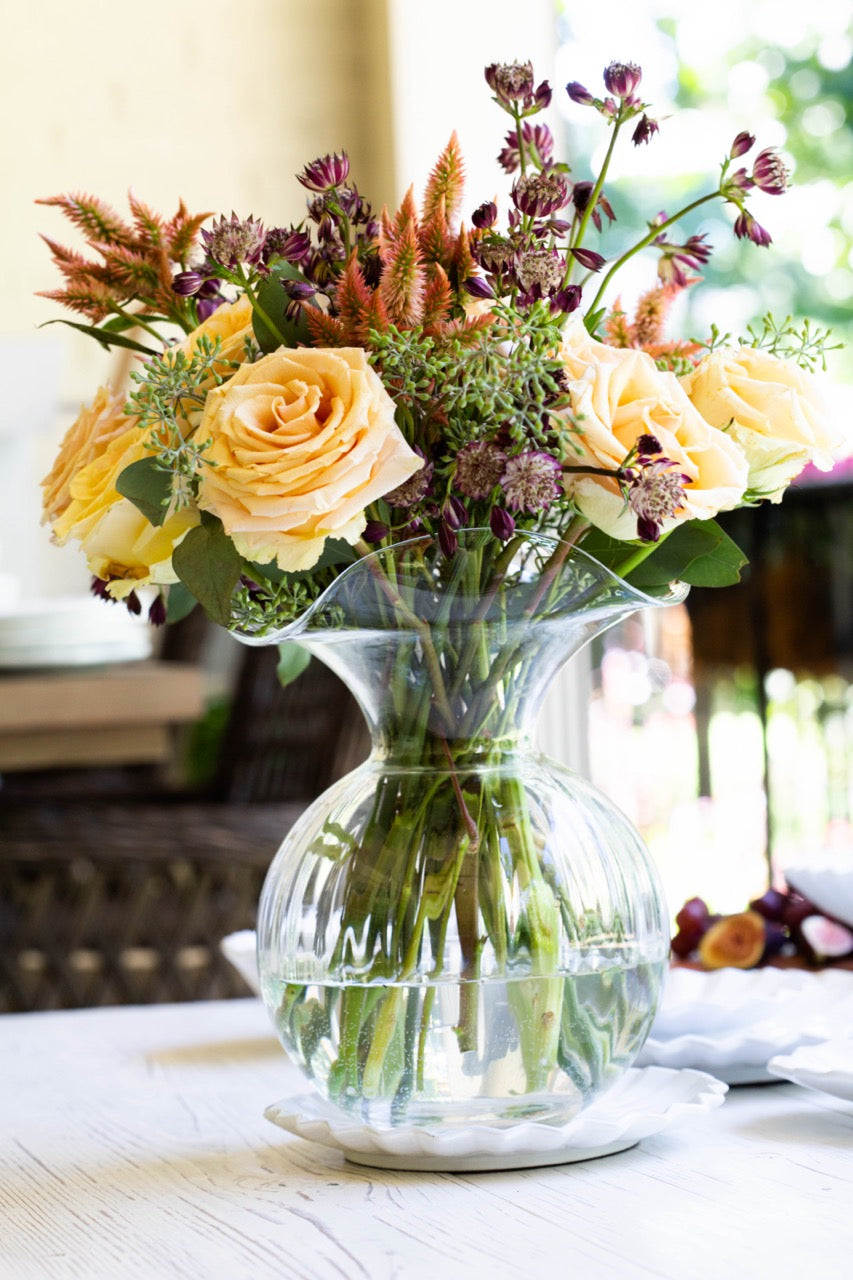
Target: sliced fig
x,y
826,939
735,942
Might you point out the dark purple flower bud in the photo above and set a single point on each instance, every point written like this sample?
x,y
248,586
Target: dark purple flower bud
x,y
742,143
566,300
453,513
133,604
298,290
738,181
510,81
542,96
479,288
325,173
588,258
581,195
769,173
486,215
207,306
157,611
647,445
746,228
447,540
501,523
188,283
98,588
645,130
579,94
609,108
375,531
622,79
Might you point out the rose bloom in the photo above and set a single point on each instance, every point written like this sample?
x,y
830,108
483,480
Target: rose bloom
x,y
619,394
86,439
120,545
301,443
231,324
773,409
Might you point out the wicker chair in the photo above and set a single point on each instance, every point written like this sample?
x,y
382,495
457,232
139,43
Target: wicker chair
x,y
110,903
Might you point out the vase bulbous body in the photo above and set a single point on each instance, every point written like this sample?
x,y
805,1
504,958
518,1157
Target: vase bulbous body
x,y
462,931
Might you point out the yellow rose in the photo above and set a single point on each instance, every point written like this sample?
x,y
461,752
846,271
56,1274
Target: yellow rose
x,y
301,443
775,411
88,436
118,541
619,394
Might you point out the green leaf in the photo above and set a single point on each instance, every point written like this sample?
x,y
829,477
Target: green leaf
x,y
698,552
148,487
106,337
274,301
180,602
209,565
292,661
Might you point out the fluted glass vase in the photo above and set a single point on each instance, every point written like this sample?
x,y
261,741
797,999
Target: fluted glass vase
x,y
462,931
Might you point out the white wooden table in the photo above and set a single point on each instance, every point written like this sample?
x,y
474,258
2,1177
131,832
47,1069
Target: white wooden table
x,y
132,1144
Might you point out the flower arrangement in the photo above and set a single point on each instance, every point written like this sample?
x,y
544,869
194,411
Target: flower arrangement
x,y
357,379
442,436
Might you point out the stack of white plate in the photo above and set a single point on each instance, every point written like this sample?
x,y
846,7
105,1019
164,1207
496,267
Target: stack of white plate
x,y
731,1022
71,631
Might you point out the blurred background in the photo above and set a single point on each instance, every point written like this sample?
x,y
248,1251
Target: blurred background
x,y
724,728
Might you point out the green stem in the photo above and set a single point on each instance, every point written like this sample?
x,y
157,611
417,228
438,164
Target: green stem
x,y
256,306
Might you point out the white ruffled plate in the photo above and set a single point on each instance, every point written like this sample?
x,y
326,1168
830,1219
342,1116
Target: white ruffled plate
x,y
731,1022
640,1104
827,1067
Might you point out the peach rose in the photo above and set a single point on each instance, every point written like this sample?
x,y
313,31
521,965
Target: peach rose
x,y
85,440
231,324
118,541
775,411
620,394
300,444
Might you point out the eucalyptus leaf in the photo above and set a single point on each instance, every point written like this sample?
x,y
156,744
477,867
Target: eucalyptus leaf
x,y
209,566
292,661
148,487
107,337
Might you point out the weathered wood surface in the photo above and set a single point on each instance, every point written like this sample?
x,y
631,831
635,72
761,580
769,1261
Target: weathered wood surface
x,y
133,1145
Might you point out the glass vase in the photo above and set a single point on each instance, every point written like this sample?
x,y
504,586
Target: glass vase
x,y
462,931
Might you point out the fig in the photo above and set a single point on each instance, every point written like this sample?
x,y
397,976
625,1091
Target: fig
x,y
683,943
775,938
735,942
826,939
692,921
771,905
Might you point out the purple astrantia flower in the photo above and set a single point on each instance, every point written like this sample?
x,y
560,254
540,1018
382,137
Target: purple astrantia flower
x,y
501,523
581,195
676,260
233,241
537,138
412,490
512,85
622,79
645,130
479,467
746,228
288,243
540,194
588,258
539,272
326,172
479,288
769,173
188,283
655,493
531,481
742,143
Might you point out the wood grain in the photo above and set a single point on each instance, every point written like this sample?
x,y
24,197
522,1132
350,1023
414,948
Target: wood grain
x,y
132,1144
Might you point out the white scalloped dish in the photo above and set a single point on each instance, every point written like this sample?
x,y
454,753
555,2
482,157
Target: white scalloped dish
x,y
826,1067
640,1104
731,1022
828,884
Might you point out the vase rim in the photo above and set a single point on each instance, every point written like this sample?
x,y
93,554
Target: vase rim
x,y
296,629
